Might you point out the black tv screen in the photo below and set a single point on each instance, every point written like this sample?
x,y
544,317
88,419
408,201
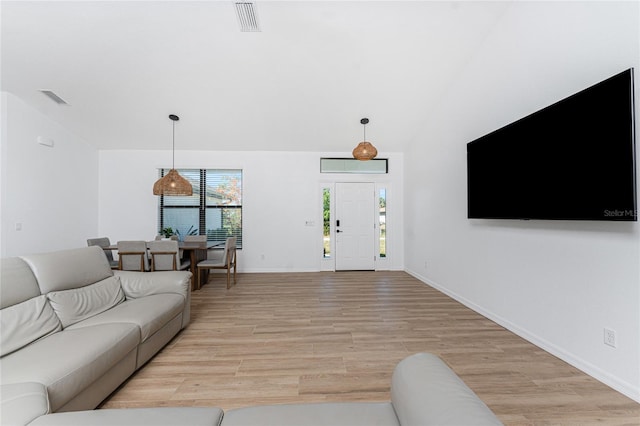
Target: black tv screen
x,y
573,160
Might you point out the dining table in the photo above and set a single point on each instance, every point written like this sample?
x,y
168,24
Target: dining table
x,y
196,250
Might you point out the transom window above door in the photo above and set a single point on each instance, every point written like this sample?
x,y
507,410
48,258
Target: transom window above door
x,y
353,166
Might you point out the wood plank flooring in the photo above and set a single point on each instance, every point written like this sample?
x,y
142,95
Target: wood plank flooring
x,y
314,337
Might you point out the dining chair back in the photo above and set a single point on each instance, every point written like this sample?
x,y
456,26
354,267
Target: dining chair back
x,y
193,239
221,259
165,256
104,242
132,256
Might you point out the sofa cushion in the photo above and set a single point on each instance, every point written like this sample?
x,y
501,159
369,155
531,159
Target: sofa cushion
x,y
22,403
81,303
425,391
66,269
160,416
26,322
141,284
150,313
327,414
69,361
17,282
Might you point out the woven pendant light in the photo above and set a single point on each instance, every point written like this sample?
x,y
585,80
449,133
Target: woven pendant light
x,y
364,151
172,183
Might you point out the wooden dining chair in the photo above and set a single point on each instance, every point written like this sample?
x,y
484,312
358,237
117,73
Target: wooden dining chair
x,y
104,242
132,256
165,256
194,239
221,259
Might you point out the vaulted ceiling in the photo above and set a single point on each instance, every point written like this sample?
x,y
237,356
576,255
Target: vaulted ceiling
x,y
302,83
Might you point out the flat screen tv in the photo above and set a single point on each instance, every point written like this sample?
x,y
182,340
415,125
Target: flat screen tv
x,y
573,160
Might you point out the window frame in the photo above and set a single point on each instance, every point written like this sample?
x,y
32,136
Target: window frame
x,y
202,205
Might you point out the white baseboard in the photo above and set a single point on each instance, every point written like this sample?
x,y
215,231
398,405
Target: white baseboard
x,y
597,373
284,270
274,270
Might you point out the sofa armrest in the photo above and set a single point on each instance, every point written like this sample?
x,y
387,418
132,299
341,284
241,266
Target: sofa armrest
x,y
158,416
141,284
425,391
21,403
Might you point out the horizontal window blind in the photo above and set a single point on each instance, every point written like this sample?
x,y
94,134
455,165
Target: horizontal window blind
x,y
214,209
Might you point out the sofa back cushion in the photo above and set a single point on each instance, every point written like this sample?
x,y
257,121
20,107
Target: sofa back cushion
x,y
74,305
17,282
26,322
67,269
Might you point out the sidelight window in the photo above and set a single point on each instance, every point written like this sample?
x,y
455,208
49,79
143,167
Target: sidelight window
x,y
382,222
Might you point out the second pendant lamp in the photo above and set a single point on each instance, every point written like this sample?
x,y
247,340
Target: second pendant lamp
x,y
172,183
364,151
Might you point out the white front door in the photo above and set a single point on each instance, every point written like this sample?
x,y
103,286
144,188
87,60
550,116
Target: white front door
x,y
355,226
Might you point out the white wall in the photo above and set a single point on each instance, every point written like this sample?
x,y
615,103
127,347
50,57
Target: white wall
x,y
281,192
556,283
49,191
64,194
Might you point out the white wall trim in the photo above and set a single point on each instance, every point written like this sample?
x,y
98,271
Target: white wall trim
x,y
615,383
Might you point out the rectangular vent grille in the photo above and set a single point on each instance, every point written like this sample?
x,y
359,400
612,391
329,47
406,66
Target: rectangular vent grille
x,y
55,98
247,17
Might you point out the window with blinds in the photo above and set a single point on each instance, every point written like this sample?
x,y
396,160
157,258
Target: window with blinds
x,y
214,209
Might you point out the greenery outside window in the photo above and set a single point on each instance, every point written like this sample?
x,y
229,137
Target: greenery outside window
x,y
326,223
214,209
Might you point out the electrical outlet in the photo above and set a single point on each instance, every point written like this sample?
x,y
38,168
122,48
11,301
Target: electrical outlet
x,y
610,337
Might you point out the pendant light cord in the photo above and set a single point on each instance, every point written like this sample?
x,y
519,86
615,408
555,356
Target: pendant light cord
x,y
364,122
173,147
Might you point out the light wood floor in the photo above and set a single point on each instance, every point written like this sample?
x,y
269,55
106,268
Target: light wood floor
x,y
280,338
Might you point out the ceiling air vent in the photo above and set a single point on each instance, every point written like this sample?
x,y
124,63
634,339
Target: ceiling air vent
x,y
55,98
247,17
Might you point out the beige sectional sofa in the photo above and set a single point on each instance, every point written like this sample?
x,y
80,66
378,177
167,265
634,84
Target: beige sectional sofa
x,y
72,331
424,392
72,325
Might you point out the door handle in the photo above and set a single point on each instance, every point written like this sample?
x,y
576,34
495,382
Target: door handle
x,y
337,230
